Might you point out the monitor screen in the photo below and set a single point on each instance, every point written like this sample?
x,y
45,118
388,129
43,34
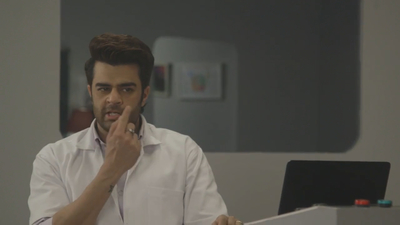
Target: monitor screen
x,y
336,183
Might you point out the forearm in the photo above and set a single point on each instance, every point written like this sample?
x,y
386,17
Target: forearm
x,y
85,209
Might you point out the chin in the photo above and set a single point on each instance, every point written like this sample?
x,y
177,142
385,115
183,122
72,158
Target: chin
x,y
105,125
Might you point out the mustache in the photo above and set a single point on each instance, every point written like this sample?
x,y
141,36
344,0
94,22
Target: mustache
x,y
113,108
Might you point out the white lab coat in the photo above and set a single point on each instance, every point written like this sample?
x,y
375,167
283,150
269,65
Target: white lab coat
x,y
171,183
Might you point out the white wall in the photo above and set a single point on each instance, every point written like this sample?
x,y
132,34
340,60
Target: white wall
x,y
249,182
29,93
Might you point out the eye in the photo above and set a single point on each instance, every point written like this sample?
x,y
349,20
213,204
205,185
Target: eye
x,y
102,89
127,89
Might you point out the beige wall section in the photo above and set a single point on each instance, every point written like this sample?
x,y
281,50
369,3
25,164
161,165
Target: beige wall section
x,y
29,93
249,182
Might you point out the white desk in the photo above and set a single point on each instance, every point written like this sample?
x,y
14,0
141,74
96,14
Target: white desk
x,y
324,215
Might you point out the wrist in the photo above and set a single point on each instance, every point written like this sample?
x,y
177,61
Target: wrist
x,y
109,174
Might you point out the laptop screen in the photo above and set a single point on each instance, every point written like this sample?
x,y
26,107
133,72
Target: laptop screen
x,y
335,183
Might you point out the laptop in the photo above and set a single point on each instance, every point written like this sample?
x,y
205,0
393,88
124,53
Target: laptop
x,y
334,183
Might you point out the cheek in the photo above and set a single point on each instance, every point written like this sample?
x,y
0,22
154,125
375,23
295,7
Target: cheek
x,y
97,100
133,101
98,106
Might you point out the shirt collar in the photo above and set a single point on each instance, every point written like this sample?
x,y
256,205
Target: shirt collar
x,y
89,137
101,143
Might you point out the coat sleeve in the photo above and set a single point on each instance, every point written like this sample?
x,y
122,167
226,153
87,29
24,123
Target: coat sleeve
x,y
47,191
203,203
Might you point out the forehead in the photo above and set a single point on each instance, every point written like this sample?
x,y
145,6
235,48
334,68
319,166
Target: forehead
x,y
103,72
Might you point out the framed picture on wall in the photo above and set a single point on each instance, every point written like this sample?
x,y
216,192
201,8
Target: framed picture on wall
x,y
201,81
161,80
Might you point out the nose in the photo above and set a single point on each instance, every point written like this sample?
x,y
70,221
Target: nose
x,y
114,97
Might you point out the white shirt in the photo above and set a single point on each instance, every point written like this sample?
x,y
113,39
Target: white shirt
x,y
121,182
171,183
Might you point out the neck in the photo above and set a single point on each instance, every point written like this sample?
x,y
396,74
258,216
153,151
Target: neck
x,y
101,132
138,125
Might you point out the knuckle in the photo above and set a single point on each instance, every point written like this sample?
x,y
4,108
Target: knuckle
x,y
126,139
118,135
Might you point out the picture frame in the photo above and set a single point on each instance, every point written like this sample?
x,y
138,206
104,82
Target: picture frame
x,y
160,82
200,81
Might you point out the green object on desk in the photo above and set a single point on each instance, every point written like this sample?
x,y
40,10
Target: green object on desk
x,y
384,203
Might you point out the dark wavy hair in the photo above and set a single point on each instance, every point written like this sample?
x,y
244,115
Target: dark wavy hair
x,y
120,49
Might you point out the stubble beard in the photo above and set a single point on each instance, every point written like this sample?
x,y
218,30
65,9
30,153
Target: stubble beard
x,y
100,116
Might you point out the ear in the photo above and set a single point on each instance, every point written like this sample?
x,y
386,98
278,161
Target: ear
x,y
146,93
89,88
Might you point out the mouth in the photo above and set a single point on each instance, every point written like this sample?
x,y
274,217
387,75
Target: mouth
x,y
112,115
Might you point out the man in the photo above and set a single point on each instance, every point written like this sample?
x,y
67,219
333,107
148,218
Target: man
x,y
123,170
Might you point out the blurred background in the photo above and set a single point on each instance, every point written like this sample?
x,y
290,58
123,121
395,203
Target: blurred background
x,y
290,70
299,80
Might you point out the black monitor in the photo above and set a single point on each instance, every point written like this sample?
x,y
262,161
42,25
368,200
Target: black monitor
x,y
336,183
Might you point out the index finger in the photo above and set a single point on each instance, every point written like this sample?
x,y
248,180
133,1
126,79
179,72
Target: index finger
x,y
124,119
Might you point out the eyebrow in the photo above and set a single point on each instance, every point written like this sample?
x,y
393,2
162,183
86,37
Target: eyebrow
x,y
127,84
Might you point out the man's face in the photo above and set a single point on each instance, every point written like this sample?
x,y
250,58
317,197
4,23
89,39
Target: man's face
x,y
114,88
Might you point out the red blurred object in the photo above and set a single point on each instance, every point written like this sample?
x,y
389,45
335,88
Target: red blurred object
x,y
80,119
361,202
